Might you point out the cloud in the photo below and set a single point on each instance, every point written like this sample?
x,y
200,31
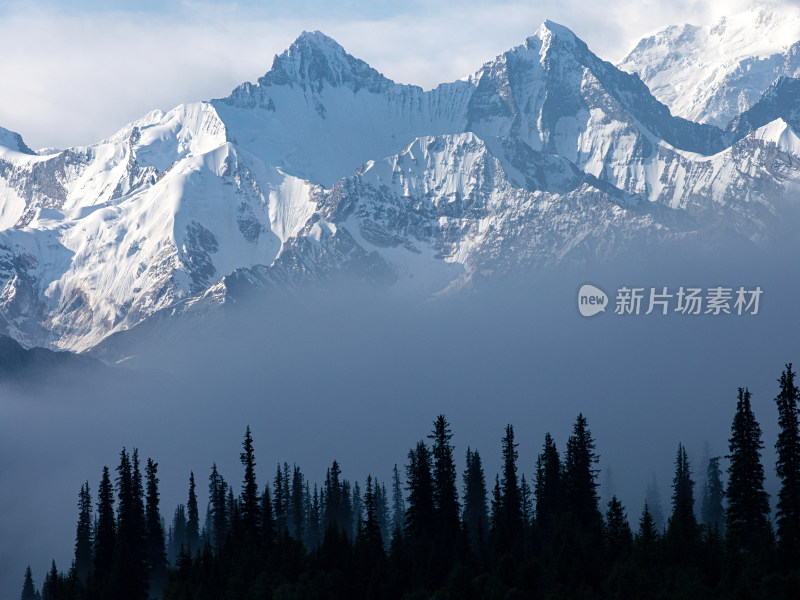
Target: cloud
x,y
75,78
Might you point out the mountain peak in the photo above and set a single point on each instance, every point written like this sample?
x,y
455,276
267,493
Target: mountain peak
x,y
779,101
13,141
566,69
315,59
315,43
783,87
554,28
550,41
550,32
711,73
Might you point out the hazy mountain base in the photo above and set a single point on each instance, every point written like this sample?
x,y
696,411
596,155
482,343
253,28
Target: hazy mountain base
x,y
260,300
26,365
316,376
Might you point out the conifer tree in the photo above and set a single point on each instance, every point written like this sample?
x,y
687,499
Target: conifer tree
x,y
52,588
317,512
647,525
509,524
497,507
208,527
648,535
217,494
286,497
357,505
618,532
747,523
333,497
233,512
192,519
280,508
476,513
682,527
297,509
398,503
28,588
130,560
369,537
445,493
140,521
713,513
267,520
83,535
788,468
307,510
420,514
382,507
580,476
177,543
548,485
249,507
156,557
105,533
313,516
526,499
338,511
347,517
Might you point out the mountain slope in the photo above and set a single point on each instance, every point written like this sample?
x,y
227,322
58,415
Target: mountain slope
x,y
324,169
779,101
319,113
39,365
710,74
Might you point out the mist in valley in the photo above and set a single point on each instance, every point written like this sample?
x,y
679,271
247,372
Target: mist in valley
x,y
359,376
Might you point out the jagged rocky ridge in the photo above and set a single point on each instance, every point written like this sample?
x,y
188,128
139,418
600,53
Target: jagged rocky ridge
x,y
325,168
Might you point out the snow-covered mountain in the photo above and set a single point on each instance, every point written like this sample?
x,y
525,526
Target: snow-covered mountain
x,y
710,74
325,168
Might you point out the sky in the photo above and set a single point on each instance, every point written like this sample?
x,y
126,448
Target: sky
x,y
73,73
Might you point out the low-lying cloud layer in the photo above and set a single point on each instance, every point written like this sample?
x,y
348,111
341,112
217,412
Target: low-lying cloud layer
x,y
360,378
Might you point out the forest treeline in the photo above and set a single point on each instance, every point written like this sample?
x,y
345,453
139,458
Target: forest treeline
x,y
437,533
